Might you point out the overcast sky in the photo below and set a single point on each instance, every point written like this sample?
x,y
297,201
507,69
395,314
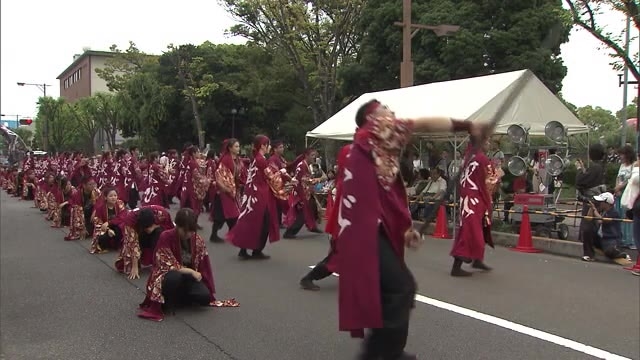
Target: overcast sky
x,y
40,37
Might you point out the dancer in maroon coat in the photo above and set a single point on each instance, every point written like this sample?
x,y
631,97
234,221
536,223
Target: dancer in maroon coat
x,y
304,210
224,206
258,216
376,289
478,183
329,264
277,161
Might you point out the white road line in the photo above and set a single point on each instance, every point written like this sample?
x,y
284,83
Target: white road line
x,y
506,324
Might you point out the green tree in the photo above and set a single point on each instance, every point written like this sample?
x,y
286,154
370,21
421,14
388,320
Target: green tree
x,y
585,14
63,129
25,134
629,112
109,112
600,120
83,114
197,83
315,37
120,68
495,36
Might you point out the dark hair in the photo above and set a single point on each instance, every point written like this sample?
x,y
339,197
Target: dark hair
x,y
152,156
133,148
596,152
629,153
107,190
120,154
211,154
186,219
361,116
424,173
145,218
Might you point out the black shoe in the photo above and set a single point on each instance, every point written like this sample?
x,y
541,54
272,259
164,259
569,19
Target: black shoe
x,y
243,255
477,264
259,255
214,238
288,236
316,230
307,284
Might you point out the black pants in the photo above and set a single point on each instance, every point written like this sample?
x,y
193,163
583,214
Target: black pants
x,y
591,241
299,222
149,241
181,289
88,224
134,196
218,217
398,289
320,271
111,242
264,234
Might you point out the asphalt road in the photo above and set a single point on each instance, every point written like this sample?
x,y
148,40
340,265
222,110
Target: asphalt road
x,y
60,302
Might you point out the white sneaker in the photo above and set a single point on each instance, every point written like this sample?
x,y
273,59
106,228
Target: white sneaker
x,y
588,258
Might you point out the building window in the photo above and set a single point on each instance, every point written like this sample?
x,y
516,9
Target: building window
x,y
79,73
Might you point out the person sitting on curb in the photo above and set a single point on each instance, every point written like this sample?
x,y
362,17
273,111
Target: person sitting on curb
x,y
604,232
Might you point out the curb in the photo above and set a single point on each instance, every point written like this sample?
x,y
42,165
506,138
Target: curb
x,y
564,248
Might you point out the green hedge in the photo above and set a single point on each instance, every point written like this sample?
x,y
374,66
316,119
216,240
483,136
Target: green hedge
x,y
610,174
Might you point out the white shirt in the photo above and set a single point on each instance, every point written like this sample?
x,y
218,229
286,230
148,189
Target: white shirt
x,y
435,187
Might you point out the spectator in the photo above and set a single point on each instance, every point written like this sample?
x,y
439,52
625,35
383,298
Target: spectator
x,y
627,159
435,189
602,234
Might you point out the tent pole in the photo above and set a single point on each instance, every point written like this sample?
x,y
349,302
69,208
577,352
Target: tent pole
x,y
455,190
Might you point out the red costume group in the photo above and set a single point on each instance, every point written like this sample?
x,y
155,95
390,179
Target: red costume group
x,y
369,226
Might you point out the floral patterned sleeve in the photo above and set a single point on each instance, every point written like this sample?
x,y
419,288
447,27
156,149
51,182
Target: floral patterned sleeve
x,y
393,133
225,180
275,181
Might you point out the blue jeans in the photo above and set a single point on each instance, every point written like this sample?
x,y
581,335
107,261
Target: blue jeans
x,y
627,231
428,210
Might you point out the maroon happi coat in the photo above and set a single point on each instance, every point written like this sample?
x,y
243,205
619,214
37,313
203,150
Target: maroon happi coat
x,y
478,181
127,221
263,181
100,216
332,227
373,198
302,196
279,162
227,184
168,257
125,179
154,186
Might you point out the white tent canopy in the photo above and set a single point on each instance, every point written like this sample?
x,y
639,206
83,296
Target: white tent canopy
x,y
476,99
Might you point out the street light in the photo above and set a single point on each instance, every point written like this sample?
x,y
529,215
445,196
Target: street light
x,y
235,112
409,30
43,88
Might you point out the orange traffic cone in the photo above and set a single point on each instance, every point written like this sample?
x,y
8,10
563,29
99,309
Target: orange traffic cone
x,y
525,243
329,206
442,229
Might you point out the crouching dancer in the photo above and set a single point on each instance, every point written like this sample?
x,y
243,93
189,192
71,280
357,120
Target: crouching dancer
x,y
181,273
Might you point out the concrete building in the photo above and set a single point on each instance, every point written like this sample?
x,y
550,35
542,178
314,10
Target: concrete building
x,y
80,80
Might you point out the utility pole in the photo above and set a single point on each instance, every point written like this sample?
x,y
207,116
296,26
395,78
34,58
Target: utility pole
x,y
45,137
625,75
409,30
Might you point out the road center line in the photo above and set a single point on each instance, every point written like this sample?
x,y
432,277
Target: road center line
x,y
506,324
